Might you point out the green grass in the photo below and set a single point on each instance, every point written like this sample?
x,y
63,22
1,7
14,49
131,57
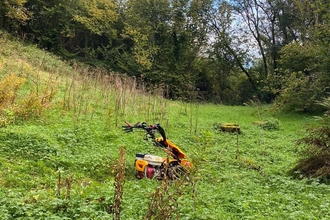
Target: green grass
x,y
79,136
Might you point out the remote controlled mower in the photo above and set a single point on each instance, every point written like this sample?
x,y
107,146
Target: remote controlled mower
x,y
156,167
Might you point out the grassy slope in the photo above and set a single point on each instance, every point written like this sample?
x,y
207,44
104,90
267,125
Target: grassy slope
x,y
239,177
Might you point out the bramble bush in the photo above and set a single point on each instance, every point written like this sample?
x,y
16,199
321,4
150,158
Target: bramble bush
x,y
315,160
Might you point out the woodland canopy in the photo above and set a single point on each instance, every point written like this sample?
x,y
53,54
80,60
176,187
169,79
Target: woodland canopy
x,y
229,52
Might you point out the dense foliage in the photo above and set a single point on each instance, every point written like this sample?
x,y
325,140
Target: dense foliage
x,y
215,50
315,160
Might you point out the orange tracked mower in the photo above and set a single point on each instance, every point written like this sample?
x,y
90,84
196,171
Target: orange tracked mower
x,y
156,167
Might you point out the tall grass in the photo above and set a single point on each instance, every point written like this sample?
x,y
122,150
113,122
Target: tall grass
x,y
84,91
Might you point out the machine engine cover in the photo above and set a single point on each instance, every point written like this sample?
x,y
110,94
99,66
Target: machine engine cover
x,y
153,160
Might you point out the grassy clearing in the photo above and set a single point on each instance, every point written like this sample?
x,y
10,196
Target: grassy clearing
x,y
58,161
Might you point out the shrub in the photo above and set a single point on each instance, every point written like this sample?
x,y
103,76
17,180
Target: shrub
x,y
269,124
302,78
8,89
15,106
316,160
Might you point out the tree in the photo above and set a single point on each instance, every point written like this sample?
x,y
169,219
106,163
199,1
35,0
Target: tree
x,y
229,44
167,38
97,16
51,23
95,27
270,25
14,14
145,25
304,65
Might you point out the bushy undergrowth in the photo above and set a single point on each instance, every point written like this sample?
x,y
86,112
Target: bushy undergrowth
x,y
315,160
64,162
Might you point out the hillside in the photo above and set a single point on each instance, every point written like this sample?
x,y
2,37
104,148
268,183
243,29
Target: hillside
x,y
61,139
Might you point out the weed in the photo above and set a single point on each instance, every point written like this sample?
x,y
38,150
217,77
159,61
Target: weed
x,y
164,202
8,89
119,184
272,124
